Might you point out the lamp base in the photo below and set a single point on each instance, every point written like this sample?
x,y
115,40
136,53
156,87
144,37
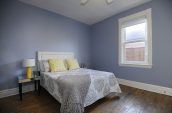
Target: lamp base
x,y
29,72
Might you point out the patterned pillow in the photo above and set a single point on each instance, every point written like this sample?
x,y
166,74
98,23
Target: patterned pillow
x,y
56,65
72,64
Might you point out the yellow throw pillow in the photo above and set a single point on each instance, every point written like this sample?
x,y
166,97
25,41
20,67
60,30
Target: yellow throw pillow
x,y
56,65
72,64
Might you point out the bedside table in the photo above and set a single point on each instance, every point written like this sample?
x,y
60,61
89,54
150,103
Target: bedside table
x,y
23,79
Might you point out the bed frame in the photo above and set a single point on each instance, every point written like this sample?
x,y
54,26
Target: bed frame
x,y
61,55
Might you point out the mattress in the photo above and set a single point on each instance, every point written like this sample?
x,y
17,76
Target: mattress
x,y
102,83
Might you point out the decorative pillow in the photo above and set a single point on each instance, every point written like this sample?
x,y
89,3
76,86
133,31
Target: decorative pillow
x,y
56,65
41,66
72,64
44,66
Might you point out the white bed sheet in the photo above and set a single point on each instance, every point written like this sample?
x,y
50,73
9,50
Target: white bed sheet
x,y
102,83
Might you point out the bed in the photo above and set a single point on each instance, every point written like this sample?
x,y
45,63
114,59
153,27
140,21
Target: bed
x,y
102,83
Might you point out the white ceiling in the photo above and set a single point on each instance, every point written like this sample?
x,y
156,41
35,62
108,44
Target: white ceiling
x,y
94,11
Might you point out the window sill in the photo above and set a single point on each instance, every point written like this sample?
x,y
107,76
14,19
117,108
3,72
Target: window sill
x,y
136,65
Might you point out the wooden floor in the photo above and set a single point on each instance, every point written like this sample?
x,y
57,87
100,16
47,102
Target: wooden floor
x,y
131,101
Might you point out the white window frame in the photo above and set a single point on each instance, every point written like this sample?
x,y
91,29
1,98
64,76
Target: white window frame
x,y
148,15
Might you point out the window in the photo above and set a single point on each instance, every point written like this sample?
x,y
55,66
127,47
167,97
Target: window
x,y
135,40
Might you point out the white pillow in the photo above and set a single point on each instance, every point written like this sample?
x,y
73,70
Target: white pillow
x,y
44,66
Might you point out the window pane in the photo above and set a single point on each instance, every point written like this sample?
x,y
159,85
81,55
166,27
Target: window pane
x,y
135,32
135,51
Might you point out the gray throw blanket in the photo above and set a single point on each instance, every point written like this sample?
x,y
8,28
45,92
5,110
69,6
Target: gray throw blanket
x,y
73,90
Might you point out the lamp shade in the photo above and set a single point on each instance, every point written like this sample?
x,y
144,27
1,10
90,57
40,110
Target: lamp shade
x,y
28,62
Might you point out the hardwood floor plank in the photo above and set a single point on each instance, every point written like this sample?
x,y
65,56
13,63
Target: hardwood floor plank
x,y
132,100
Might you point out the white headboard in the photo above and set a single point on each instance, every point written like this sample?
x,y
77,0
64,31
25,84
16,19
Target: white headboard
x,y
53,55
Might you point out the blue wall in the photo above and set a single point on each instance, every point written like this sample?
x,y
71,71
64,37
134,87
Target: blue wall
x,y
25,29
104,46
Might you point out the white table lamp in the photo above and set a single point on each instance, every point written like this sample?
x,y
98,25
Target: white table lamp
x,y
28,63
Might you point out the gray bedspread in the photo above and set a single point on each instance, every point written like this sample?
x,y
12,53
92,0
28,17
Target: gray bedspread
x,y
73,89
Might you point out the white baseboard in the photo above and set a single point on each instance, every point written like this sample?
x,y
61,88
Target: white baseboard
x,y
15,91
147,87
139,85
